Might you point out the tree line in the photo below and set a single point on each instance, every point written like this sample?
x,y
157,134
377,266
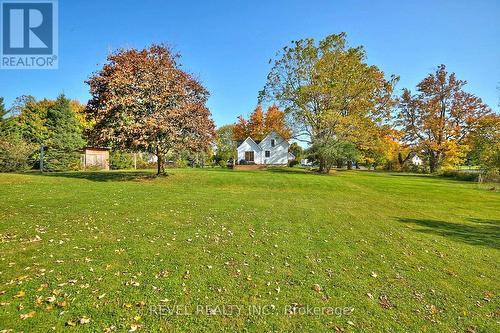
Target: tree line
x,y
324,94
33,126
141,101
347,112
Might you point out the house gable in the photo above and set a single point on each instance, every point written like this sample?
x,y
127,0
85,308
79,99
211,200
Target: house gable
x,y
272,150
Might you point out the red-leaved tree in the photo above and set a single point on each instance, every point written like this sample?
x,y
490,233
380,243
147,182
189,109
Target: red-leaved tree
x,y
142,100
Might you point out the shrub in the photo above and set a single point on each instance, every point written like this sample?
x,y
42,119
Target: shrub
x,y
15,154
120,160
222,164
461,175
146,161
293,163
490,176
60,159
180,163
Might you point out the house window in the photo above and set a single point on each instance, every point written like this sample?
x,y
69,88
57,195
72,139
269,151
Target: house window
x,y
249,156
268,153
273,142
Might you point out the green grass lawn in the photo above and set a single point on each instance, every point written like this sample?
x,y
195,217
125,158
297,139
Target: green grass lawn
x,y
207,250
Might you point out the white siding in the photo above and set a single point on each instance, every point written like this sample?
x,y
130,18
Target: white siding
x,y
415,160
250,145
279,153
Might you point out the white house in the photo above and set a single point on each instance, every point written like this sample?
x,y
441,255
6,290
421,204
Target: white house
x,y
415,159
272,150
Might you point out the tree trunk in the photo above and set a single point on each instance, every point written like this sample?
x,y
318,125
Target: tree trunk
x,y
160,163
340,165
349,165
323,166
433,161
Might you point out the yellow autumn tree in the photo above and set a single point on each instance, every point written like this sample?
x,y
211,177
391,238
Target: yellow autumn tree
x,y
439,119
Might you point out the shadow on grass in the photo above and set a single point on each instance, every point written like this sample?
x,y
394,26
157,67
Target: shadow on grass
x,y
485,232
103,176
289,170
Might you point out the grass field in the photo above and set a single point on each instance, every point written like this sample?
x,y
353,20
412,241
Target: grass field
x,y
208,250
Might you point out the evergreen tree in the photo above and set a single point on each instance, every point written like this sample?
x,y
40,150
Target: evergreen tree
x,y
64,136
3,118
7,124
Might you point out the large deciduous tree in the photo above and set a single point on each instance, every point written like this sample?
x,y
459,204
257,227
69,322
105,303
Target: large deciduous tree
x,y
30,118
440,117
225,142
329,91
142,100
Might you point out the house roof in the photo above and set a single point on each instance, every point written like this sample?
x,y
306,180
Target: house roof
x,y
96,148
239,142
257,142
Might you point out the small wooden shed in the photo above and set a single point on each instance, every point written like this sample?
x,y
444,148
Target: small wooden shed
x,y
95,158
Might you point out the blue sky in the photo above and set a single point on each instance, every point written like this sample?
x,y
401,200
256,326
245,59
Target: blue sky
x,y
227,44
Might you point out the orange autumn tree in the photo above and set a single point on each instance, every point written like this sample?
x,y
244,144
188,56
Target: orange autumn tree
x,y
275,121
256,124
260,123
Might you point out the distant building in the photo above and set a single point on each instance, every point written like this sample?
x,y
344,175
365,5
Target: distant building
x,y
415,159
95,158
305,162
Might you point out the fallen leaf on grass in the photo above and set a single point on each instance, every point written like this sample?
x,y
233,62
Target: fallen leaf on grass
x,y
316,288
471,329
27,315
432,309
384,302
20,294
62,304
162,274
133,328
70,323
42,286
